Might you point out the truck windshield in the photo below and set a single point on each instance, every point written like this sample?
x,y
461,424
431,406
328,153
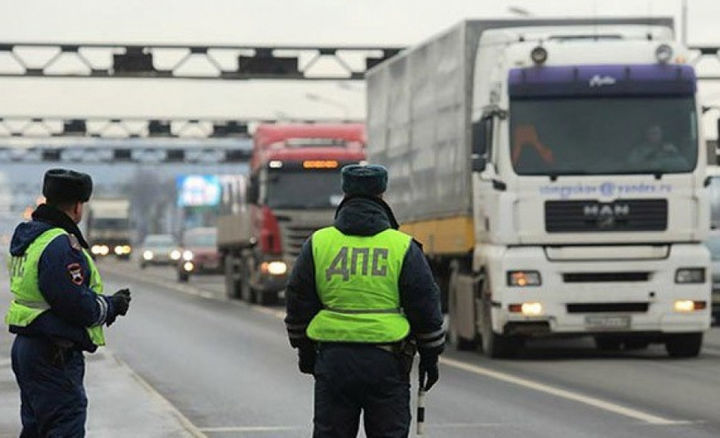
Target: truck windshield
x,y
110,223
603,135
304,189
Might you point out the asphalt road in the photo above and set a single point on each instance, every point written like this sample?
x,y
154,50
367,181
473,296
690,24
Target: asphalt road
x,y
229,369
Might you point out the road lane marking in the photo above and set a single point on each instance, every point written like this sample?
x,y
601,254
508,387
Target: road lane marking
x,y
187,424
252,429
562,393
5,362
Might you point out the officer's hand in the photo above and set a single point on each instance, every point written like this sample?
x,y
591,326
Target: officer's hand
x,y
121,301
429,372
306,360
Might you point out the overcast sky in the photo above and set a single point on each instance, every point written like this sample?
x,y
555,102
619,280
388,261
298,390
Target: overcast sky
x,y
247,22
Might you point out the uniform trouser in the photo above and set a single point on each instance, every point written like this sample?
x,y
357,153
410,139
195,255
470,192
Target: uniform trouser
x,y
53,401
354,378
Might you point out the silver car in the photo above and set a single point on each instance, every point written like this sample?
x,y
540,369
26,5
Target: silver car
x,y
159,249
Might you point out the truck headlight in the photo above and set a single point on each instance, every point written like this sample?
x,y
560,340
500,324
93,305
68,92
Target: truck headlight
x,y
148,255
274,268
523,278
188,266
684,306
175,254
187,255
690,275
527,309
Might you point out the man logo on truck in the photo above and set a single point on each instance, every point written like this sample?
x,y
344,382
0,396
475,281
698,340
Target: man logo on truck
x,y
599,81
606,214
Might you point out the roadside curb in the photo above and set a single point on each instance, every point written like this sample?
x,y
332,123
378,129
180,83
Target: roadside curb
x,y
182,419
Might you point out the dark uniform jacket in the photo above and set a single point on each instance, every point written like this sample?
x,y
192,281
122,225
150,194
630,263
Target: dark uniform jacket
x,y
73,305
419,294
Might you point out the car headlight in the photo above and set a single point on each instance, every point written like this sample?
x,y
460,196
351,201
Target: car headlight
x,y
523,278
187,255
175,254
188,266
148,255
690,275
276,268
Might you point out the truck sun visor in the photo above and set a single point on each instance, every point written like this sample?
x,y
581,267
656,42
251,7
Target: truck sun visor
x,y
602,80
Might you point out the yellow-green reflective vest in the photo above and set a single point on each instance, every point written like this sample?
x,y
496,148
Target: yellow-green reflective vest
x,y
356,278
28,303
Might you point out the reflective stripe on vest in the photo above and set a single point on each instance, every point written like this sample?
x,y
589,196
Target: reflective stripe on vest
x,y
356,278
28,302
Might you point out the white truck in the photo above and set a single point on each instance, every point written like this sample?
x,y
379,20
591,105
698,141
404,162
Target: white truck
x,y
108,227
554,171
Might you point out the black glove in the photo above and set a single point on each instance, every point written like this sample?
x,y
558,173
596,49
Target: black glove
x,y
121,301
306,360
428,370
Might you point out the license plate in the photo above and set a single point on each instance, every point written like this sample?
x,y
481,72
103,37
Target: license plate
x,y
607,322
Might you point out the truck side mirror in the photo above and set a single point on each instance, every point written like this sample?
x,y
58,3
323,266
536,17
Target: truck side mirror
x,y
252,193
481,138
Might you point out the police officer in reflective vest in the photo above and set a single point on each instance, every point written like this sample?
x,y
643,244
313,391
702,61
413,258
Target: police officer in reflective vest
x,y
58,309
360,291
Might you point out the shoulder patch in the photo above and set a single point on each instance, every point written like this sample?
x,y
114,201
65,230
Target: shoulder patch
x,y
76,274
74,242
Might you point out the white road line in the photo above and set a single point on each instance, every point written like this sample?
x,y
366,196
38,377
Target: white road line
x,y
187,424
562,393
5,362
252,429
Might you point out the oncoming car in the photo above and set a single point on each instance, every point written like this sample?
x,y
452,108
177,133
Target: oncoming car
x,y
199,253
159,249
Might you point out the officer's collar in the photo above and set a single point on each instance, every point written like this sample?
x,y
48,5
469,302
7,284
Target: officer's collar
x,y
379,201
53,216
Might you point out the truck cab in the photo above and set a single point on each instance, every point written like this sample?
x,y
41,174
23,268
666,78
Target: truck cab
x,y
293,190
590,207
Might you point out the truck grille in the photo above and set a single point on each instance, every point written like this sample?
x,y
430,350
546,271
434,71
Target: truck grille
x,y
594,216
604,277
607,307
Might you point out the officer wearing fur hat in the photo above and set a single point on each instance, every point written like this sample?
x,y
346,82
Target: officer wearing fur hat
x,y
58,309
361,293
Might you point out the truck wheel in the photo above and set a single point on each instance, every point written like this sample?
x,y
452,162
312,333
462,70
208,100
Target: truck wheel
x,y
246,293
266,298
231,283
608,343
461,343
183,277
494,345
684,345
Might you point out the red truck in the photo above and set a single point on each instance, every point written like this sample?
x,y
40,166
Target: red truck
x,y
293,190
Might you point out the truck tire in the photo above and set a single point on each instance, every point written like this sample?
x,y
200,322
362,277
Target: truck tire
x,y
460,343
684,345
636,343
266,298
183,277
494,345
231,283
245,292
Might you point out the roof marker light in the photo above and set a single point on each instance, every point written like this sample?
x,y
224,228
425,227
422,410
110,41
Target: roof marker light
x,y
663,53
539,55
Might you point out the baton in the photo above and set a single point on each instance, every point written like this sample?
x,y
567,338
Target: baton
x,y
421,409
